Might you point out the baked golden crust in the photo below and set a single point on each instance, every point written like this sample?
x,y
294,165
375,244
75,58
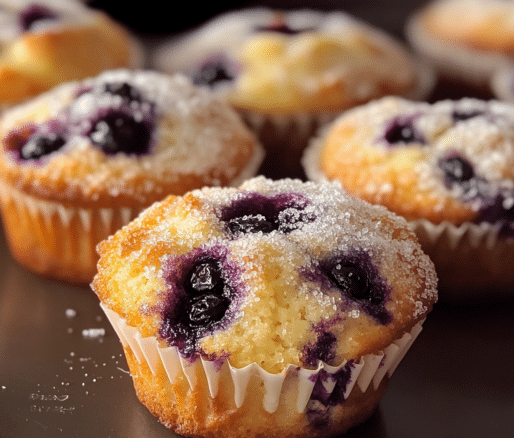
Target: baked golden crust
x,y
294,62
274,271
78,43
364,150
197,140
285,354
196,414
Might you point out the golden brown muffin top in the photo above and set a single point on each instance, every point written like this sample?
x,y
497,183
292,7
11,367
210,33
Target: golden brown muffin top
x,y
299,61
48,42
274,272
125,138
452,160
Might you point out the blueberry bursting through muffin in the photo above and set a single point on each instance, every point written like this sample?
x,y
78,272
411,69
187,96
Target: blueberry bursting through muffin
x,y
122,125
205,290
204,285
458,171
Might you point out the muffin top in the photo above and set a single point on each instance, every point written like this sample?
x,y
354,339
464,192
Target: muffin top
x,y
298,61
452,160
273,272
484,25
124,138
46,42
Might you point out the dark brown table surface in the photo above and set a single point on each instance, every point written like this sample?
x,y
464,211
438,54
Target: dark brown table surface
x,y
56,381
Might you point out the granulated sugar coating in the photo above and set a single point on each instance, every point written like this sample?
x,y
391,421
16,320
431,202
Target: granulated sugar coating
x,y
278,308
272,273
85,158
452,160
125,139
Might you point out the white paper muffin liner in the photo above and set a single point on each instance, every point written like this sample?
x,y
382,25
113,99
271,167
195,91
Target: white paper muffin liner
x,y
369,370
450,59
472,261
57,240
502,83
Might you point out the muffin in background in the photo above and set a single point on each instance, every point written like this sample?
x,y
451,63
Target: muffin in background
x,y
288,72
447,167
83,159
46,42
502,83
280,308
465,40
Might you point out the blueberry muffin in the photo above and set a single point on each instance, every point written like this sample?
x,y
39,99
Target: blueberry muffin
x,y
465,40
84,158
289,71
280,308
46,42
446,167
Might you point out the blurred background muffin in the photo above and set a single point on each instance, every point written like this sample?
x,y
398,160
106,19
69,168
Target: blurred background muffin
x,y
289,72
466,40
46,42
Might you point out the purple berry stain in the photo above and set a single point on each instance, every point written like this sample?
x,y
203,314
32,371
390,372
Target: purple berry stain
x,y
254,212
401,131
215,70
322,350
318,414
358,280
201,298
495,208
34,13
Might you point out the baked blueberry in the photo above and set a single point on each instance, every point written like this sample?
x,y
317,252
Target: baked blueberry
x,y
40,145
458,171
123,90
213,72
351,280
205,277
358,280
201,292
462,115
255,213
250,224
34,13
118,131
402,131
207,309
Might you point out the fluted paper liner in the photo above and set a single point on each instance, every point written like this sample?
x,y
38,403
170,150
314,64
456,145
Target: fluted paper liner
x,y
472,260
54,239
369,370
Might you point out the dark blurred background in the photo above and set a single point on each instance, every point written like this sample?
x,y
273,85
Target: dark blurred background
x,y
158,18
